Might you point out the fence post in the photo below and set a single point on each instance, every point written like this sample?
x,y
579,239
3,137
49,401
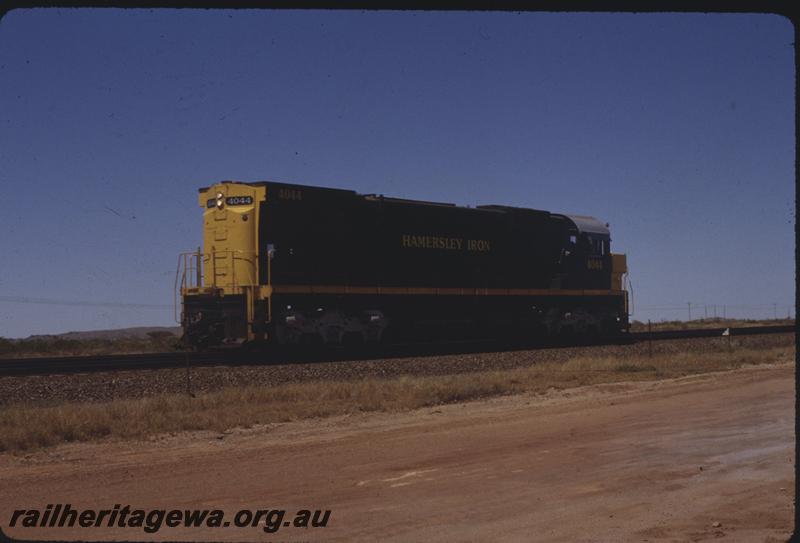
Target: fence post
x,y
188,378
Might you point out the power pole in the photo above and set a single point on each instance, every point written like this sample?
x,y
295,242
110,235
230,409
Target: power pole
x,y
690,309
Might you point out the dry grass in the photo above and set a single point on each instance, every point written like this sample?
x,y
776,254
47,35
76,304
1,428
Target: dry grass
x,y
155,342
26,427
714,322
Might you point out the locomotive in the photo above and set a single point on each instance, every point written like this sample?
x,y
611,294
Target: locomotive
x,y
293,264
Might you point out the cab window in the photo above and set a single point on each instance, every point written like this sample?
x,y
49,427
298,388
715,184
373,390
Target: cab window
x,y
597,246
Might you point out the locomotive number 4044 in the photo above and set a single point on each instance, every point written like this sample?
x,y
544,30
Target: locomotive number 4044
x,y
594,264
239,200
290,194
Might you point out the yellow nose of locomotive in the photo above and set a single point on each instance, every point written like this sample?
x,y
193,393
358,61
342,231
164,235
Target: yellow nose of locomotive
x,y
221,298
230,235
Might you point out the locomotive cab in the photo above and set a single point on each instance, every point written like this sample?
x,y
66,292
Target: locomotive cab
x,y
585,255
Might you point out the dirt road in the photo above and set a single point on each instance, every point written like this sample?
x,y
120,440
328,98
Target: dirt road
x,y
691,459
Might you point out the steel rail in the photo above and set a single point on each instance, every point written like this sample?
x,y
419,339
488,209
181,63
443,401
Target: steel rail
x,y
231,357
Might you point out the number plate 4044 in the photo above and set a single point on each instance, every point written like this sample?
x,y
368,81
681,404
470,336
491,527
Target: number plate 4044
x,y
239,200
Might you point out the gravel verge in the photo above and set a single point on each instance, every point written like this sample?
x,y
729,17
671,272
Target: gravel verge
x,y
104,386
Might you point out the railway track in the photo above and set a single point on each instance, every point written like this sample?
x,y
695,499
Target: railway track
x,y
97,363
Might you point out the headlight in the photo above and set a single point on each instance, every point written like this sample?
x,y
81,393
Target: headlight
x,y
220,200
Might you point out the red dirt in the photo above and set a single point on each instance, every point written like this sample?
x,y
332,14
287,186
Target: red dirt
x,y
690,459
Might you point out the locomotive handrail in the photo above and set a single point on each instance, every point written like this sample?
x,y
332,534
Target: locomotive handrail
x,y
175,291
628,284
190,263
184,266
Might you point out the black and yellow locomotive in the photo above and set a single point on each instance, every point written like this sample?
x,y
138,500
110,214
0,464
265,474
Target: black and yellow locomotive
x,y
296,264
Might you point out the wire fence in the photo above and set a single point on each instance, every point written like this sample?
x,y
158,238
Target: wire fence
x,y
81,303
690,311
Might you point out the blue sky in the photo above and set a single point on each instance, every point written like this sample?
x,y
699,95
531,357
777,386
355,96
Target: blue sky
x,y
677,129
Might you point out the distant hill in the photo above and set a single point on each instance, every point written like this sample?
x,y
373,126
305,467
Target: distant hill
x,y
138,332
